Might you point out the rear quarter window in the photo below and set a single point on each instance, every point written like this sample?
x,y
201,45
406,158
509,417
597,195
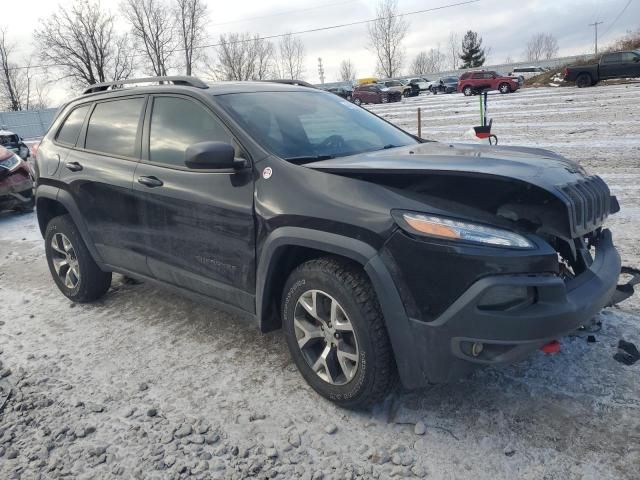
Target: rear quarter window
x,y
113,127
70,130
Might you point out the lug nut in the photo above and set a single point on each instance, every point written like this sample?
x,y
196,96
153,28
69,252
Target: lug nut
x,y
337,335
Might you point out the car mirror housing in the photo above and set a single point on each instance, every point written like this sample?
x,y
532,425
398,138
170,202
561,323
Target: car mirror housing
x,y
210,155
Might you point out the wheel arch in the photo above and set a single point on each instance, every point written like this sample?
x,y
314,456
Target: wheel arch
x,y
52,202
288,247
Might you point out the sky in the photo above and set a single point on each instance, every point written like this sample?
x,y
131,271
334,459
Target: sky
x,y
504,27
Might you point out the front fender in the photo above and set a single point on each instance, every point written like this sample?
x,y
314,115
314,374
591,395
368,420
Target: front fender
x,y
395,316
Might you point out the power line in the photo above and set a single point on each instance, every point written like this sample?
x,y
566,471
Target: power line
x,y
617,18
279,35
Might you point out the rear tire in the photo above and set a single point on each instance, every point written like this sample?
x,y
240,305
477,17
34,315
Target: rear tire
x,y
337,282
584,80
357,101
71,265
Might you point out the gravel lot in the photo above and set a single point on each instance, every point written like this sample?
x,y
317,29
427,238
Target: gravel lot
x,y
145,384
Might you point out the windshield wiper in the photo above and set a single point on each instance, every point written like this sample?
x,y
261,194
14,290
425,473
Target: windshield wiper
x,y
388,146
309,158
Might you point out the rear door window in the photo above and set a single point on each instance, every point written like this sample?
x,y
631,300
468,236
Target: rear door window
x,y
612,58
113,127
177,123
68,133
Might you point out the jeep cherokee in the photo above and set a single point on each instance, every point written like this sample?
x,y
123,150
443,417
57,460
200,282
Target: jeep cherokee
x,y
378,253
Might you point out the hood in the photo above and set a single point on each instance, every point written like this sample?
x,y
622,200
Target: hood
x,y
538,186
532,165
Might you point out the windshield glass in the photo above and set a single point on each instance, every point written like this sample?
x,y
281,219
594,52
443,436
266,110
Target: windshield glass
x,y
311,125
9,141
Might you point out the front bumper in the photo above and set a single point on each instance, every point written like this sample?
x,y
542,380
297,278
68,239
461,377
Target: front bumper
x,y
15,189
443,346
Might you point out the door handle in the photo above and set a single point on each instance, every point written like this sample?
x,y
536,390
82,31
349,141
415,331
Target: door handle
x,y
73,166
150,181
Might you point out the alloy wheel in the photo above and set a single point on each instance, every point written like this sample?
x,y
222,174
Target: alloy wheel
x,y
326,338
65,261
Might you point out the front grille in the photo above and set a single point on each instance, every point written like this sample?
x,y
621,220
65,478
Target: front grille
x,y
589,202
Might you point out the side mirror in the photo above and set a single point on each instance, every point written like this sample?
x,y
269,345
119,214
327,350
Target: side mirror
x,y
636,59
211,155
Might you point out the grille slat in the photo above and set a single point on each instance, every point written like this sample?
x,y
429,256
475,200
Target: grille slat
x,y
589,204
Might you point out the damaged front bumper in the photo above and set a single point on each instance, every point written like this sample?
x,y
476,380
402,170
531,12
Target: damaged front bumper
x,y
15,189
466,335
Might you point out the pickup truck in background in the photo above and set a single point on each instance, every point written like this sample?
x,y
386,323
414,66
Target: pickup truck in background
x,y
611,65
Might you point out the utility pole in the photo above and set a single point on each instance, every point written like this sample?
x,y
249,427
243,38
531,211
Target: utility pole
x,y
320,70
595,25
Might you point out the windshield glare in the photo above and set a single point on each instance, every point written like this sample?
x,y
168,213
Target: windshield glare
x,y
312,124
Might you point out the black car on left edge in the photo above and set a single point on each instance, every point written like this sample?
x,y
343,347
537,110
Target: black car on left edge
x,y
380,254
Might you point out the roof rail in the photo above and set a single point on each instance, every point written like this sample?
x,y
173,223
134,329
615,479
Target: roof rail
x,y
176,80
286,81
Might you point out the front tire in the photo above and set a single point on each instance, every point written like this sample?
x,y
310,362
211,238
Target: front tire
x,y
73,269
504,88
468,91
357,101
336,334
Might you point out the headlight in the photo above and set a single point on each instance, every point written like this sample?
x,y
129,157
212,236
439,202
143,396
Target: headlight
x,y
11,163
441,227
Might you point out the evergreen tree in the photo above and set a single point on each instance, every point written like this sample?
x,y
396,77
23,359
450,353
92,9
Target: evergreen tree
x,y
472,55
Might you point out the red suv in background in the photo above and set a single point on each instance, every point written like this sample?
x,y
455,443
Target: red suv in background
x,y
372,93
471,83
16,182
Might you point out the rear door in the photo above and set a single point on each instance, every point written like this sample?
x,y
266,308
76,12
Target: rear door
x,y
610,65
98,173
198,224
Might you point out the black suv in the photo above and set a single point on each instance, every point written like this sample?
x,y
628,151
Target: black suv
x,y
377,252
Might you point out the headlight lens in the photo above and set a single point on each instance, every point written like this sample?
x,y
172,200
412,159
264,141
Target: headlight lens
x,y
11,163
441,227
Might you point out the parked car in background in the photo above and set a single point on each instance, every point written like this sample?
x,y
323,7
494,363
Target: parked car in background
x,y
415,89
422,84
12,142
611,65
396,86
526,72
16,182
445,85
375,93
344,92
471,83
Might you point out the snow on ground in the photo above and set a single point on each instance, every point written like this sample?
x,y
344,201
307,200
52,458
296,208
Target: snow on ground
x,y
145,384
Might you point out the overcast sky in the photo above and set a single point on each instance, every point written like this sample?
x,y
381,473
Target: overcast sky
x,y
505,26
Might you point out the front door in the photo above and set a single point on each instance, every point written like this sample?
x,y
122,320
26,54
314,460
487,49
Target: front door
x,y
198,224
98,170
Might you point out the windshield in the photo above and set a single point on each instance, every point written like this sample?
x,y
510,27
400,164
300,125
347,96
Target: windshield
x,y
311,125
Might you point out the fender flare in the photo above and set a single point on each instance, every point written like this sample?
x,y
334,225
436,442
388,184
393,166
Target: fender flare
x,y
395,316
65,199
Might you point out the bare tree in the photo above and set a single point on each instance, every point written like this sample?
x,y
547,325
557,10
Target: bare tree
x,y
290,62
453,48
551,47
82,42
541,46
153,25
386,34
13,84
192,18
347,71
242,56
430,61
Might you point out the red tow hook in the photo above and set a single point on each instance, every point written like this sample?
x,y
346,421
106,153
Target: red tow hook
x,y
552,347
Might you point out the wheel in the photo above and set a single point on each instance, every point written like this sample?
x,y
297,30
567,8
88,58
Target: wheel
x,y
349,98
357,101
335,332
73,269
504,88
406,93
468,91
385,99
584,80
